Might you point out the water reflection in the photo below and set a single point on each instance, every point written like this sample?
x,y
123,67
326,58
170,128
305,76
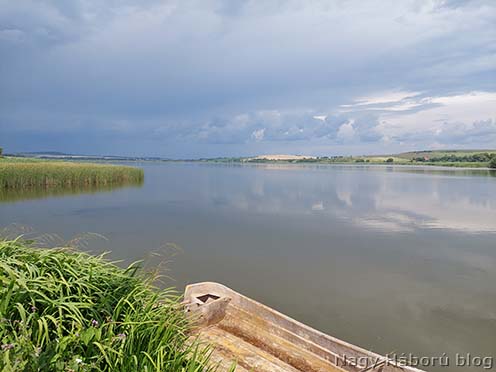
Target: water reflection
x,y
406,200
27,193
389,258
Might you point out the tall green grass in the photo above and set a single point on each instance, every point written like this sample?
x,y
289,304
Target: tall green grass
x,y
17,175
63,310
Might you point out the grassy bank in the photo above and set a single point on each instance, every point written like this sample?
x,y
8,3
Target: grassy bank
x,y
25,173
62,310
453,158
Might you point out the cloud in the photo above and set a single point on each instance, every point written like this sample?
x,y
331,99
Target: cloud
x,y
441,117
383,98
216,72
346,132
258,134
320,117
476,133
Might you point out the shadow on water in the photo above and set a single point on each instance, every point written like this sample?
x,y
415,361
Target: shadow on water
x,y
28,193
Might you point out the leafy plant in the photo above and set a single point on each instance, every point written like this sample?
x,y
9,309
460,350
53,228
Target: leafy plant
x,y
64,310
492,163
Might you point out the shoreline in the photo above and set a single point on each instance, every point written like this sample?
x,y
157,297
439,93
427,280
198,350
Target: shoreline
x,y
362,161
353,164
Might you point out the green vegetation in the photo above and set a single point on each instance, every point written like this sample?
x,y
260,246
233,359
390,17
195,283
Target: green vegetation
x,y
442,153
492,163
1,152
451,158
63,310
461,158
18,173
472,158
11,159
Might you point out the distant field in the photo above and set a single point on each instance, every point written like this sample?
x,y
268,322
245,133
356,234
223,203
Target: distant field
x,y
453,158
438,153
450,158
18,173
383,159
16,159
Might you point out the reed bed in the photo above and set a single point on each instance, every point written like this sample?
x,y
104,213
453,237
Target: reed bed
x,y
64,310
47,174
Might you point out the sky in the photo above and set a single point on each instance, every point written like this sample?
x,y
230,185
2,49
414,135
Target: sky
x,y
207,78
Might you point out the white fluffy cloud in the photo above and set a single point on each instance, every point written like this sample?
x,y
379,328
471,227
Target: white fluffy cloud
x,y
346,131
437,119
258,134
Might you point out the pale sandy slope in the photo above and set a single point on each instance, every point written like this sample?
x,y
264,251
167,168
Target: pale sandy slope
x,y
283,157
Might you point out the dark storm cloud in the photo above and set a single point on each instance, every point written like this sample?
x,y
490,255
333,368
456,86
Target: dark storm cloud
x,y
172,77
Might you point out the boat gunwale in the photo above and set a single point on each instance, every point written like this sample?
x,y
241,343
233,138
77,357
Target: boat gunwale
x,y
307,333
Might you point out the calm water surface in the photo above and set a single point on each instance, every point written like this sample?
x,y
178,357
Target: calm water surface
x,y
390,258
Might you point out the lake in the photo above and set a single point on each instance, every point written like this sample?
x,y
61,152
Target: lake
x,y
394,259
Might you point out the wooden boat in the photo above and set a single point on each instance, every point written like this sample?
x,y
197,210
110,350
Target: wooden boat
x,y
258,338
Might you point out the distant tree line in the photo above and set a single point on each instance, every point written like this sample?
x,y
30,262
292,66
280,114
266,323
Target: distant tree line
x,y
492,163
482,157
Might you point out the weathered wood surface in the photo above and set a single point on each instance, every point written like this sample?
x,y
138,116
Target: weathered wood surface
x,y
259,338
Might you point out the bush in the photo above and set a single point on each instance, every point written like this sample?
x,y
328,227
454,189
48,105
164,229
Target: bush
x,y
62,310
492,163
389,160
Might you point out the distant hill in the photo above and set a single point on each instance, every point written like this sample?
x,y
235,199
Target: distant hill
x,y
441,153
55,153
283,157
64,156
451,158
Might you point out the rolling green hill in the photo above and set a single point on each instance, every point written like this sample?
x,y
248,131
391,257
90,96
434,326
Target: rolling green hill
x,y
450,158
443,153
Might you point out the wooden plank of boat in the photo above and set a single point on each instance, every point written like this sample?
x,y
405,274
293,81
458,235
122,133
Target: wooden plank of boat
x,y
258,338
